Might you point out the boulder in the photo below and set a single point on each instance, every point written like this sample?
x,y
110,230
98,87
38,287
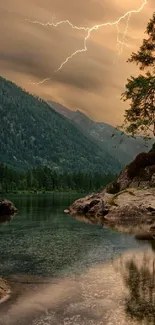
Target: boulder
x,y
139,173
7,208
94,204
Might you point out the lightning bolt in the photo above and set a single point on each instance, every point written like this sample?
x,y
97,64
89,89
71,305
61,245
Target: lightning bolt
x,y
120,44
88,31
125,32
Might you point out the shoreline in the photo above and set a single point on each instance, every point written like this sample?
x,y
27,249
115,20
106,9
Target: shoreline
x,y
42,193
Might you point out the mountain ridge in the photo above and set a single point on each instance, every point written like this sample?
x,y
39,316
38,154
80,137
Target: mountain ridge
x,y
122,147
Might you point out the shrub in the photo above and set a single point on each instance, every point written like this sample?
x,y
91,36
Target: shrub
x,y
113,188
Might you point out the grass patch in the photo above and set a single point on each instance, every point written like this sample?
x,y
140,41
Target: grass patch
x,y
112,200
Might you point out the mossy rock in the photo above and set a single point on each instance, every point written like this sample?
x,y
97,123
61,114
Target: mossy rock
x,y
113,188
112,200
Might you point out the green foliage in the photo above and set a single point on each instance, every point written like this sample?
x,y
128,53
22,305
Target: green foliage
x,y
140,91
32,134
119,144
43,179
146,54
113,188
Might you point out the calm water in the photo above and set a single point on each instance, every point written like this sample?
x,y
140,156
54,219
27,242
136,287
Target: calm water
x,y
77,269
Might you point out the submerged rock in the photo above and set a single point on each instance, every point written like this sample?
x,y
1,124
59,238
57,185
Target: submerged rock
x,y
6,218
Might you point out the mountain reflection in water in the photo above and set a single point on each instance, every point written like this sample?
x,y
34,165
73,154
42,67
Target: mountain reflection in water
x,y
120,292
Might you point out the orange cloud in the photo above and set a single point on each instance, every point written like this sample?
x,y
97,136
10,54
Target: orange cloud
x,y
90,81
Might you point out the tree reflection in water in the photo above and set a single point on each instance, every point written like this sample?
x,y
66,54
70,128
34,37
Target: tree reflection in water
x,y
140,281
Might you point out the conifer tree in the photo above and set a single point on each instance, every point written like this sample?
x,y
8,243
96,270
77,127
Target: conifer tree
x,y
139,118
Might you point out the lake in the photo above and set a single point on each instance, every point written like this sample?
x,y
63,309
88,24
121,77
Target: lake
x,y
63,271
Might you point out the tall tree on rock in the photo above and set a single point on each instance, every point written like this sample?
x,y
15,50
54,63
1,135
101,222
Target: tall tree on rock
x,y
140,91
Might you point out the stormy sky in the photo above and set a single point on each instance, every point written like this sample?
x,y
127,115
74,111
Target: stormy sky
x,y
92,81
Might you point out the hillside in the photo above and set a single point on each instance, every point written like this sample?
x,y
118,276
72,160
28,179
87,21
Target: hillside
x,y
122,147
34,134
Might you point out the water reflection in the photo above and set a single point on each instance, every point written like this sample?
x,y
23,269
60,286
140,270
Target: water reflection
x,y
140,281
65,272
39,207
121,292
6,218
42,240
143,231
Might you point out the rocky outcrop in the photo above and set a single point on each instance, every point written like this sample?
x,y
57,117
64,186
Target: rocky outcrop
x,y
94,204
7,208
128,202
132,208
139,173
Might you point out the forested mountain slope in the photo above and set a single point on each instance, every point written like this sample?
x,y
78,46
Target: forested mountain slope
x,y
34,134
122,147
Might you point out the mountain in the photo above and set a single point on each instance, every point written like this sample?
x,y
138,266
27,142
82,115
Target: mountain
x,y
122,147
32,133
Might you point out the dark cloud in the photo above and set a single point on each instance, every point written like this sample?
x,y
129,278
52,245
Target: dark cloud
x,y
90,81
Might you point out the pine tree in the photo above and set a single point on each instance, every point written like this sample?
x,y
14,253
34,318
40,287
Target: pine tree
x,y
140,116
